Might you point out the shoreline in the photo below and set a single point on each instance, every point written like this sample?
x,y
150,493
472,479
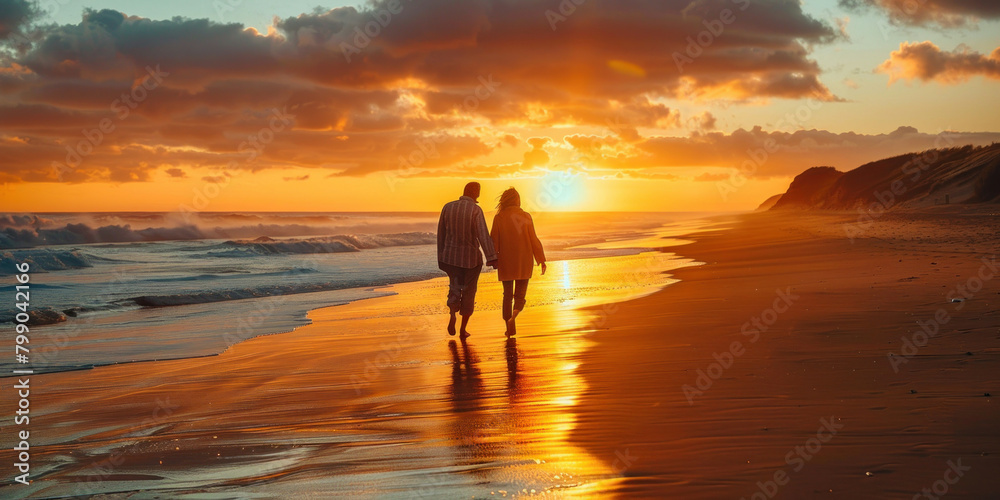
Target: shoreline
x,y
78,334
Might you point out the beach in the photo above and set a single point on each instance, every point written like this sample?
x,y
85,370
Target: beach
x,y
600,395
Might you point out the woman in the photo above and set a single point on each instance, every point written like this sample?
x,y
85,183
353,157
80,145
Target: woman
x,y
518,249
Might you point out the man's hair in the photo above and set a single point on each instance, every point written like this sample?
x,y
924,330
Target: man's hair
x,y
472,190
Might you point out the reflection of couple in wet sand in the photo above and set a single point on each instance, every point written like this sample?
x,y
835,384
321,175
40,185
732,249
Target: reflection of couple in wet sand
x,y
511,247
484,421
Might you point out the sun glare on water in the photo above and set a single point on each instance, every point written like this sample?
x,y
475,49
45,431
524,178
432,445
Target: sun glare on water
x,y
565,281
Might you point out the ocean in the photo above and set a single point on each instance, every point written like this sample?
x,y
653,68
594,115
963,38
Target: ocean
x,y
111,288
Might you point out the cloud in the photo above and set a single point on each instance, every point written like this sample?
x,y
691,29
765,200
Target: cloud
x,y
298,178
14,14
538,142
509,140
175,172
765,153
704,121
479,171
943,13
926,62
439,70
656,176
710,177
842,23
756,152
536,156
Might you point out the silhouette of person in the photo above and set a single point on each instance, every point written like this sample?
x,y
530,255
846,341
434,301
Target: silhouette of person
x,y
461,231
518,248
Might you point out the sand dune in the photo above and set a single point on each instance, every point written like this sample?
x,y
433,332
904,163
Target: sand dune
x,y
934,177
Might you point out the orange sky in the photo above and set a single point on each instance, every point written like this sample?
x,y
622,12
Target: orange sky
x,y
673,106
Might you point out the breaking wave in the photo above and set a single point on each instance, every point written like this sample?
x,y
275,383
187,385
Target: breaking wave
x,y
30,230
181,299
333,244
36,317
78,234
223,274
44,259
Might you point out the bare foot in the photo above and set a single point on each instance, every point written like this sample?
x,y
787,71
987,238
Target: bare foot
x,y
511,328
451,325
465,323
465,334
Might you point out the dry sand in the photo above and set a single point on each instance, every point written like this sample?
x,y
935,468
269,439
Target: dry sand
x,y
825,357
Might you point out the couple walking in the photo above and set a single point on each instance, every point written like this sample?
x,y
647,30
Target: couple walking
x,y
511,247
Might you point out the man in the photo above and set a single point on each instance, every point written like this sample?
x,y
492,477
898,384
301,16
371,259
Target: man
x,y
461,231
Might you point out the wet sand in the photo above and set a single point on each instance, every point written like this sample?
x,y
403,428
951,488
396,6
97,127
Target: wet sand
x,y
821,355
374,400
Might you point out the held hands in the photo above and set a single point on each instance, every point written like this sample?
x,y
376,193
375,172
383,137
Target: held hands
x,y
544,267
492,263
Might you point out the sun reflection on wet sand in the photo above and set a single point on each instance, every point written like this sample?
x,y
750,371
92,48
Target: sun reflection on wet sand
x,y
487,416
509,403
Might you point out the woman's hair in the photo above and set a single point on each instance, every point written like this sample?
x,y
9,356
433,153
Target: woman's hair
x,y
509,198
